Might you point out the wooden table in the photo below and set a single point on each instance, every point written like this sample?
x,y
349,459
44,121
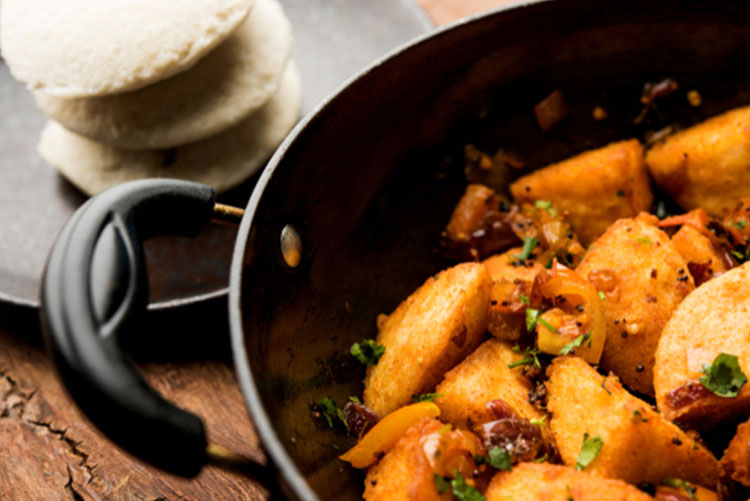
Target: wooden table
x,y
50,452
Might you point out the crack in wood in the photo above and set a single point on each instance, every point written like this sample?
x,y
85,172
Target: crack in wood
x,y
69,486
15,401
72,445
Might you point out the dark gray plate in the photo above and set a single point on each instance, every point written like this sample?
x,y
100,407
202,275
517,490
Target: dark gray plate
x,y
333,39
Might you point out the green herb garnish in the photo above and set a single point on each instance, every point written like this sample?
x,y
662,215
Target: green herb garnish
x,y
531,317
442,484
546,324
528,246
602,296
539,421
367,351
355,399
524,299
724,376
463,491
529,357
546,205
740,225
499,458
425,397
644,240
589,450
329,411
577,342
621,193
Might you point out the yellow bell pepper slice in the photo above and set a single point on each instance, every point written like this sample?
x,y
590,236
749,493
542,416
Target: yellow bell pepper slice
x,y
384,435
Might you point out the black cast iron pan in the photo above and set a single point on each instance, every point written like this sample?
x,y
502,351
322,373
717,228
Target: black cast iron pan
x,y
367,182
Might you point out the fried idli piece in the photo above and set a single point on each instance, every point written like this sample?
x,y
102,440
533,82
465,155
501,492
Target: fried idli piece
x,y
703,259
404,472
511,280
736,460
548,482
643,278
429,333
638,444
482,377
594,188
714,319
427,449
706,165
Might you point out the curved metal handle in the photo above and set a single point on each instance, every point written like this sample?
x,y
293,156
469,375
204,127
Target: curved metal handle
x,y
94,288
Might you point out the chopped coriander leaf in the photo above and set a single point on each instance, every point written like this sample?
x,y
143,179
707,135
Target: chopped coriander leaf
x,y
539,421
499,458
543,204
740,225
678,483
355,399
568,348
524,299
589,450
368,351
442,484
724,376
738,255
542,459
644,240
528,246
342,417
327,409
546,324
638,417
531,317
463,491
602,296
425,397
529,357
516,348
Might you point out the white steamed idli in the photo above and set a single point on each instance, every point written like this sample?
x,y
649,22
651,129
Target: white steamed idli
x,y
224,87
77,48
222,161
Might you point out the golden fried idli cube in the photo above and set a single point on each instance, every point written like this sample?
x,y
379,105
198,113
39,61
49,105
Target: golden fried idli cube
x,y
638,444
511,279
707,165
594,188
548,482
712,320
704,260
429,333
482,377
643,279
404,472
736,460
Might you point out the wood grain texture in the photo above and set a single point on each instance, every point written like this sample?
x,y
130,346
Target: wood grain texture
x,y
51,451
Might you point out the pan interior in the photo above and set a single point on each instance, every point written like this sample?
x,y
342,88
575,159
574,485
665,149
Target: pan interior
x,y
372,179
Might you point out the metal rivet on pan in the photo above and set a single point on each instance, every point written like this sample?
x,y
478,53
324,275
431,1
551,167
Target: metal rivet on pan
x,y
291,246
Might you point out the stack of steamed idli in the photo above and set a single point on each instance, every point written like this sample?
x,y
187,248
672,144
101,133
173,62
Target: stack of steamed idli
x,y
202,90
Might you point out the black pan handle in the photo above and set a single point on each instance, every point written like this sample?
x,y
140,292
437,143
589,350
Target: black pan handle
x,y
94,289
